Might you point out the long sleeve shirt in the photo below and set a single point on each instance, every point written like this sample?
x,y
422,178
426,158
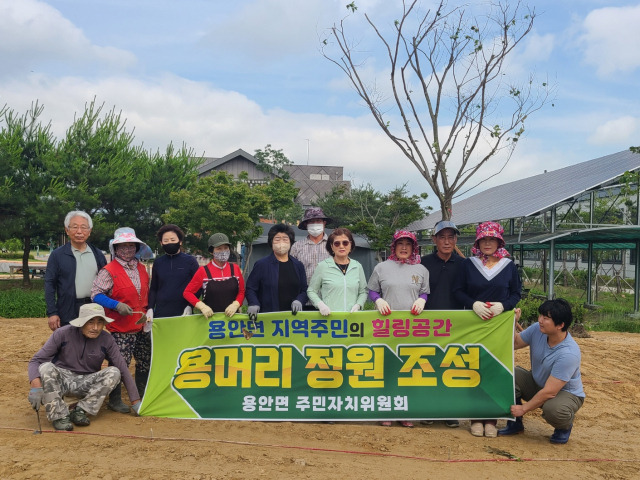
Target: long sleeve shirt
x,y
263,283
68,348
338,291
478,283
169,277
199,281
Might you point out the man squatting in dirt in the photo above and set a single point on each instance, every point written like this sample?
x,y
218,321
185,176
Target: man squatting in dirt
x,y
70,363
554,382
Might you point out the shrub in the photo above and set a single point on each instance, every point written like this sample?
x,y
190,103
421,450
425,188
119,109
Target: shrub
x,y
530,306
20,303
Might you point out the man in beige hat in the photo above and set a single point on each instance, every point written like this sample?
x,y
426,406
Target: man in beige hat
x,y
70,363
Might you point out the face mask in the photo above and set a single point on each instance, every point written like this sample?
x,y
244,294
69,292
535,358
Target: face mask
x,y
280,248
126,252
171,248
222,256
315,229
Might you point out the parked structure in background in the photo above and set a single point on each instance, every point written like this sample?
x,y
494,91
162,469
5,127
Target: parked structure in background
x,y
577,217
314,181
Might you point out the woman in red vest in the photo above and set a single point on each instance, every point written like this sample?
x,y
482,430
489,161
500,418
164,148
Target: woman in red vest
x,y
122,288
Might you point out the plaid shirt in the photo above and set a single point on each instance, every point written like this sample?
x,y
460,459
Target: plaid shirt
x,y
310,254
104,283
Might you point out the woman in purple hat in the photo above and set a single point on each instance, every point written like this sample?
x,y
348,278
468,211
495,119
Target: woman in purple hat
x,y
489,284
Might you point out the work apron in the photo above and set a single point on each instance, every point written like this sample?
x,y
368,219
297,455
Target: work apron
x,y
219,294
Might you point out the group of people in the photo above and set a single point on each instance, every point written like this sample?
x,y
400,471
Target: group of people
x,y
85,294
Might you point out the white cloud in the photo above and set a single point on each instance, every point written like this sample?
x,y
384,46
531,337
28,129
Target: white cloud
x,y
611,38
618,130
36,37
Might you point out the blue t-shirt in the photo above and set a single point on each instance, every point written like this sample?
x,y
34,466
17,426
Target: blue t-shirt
x,y
561,362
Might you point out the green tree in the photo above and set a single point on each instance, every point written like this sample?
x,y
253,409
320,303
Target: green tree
x,y
116,182
219,203
30,196
282,195
273,161
446,102
372,214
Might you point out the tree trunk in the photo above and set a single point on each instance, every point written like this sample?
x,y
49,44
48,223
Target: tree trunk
x,y
26,281
446,210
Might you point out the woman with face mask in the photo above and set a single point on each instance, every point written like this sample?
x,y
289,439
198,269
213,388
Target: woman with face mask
x,y
170,275
122,288
277,282
220,281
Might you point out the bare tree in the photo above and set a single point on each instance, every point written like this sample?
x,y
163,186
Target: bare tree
x,y
448,87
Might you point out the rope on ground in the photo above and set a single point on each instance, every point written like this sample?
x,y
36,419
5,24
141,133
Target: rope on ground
x,y
333,450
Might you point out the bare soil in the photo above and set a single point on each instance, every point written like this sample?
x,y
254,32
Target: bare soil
x,y
605,442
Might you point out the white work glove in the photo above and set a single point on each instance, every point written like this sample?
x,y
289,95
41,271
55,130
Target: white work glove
x,y
383,307
296,306
149,322
232,309
252,311
418,306
482,310
204,308
124,309
187,311
355,308
496,308
324,309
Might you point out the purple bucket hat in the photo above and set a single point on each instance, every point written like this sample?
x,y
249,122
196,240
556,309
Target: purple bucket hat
x,y
312,213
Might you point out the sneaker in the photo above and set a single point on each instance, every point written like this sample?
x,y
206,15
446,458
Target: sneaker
x,y
63,423
490,430
406,424
561,436
426,422
118,407
79,417
385,424
477,429
452,423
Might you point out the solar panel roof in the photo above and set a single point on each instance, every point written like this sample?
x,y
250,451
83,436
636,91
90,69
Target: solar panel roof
x,y
532,195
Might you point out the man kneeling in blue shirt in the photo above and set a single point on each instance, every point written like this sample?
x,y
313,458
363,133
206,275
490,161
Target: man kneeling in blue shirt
x,y
554,382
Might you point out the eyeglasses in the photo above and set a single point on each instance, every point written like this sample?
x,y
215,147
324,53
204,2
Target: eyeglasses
x,y
344,243
84,228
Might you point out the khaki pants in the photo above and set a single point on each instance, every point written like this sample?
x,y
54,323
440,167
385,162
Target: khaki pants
x,y
559,411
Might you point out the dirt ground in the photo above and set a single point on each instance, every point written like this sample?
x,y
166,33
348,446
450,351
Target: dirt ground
x,y
605,442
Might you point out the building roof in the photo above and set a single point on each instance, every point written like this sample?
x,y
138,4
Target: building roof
x,y
533,195
212,163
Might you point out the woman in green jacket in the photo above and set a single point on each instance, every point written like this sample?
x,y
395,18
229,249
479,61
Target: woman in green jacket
x,y
338,283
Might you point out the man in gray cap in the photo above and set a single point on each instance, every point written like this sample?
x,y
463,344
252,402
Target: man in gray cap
x,y
70,363
443,266
313,249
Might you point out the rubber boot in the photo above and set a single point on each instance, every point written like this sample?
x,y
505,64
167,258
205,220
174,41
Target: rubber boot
x,y
115,400
141,377
513,426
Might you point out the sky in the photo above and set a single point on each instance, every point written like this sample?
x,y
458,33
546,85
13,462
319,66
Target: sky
x,y
219,76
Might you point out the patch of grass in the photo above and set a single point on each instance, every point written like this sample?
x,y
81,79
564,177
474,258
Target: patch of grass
x,y
19,302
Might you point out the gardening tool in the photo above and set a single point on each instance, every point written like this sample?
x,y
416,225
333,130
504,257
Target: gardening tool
x,y
39,431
